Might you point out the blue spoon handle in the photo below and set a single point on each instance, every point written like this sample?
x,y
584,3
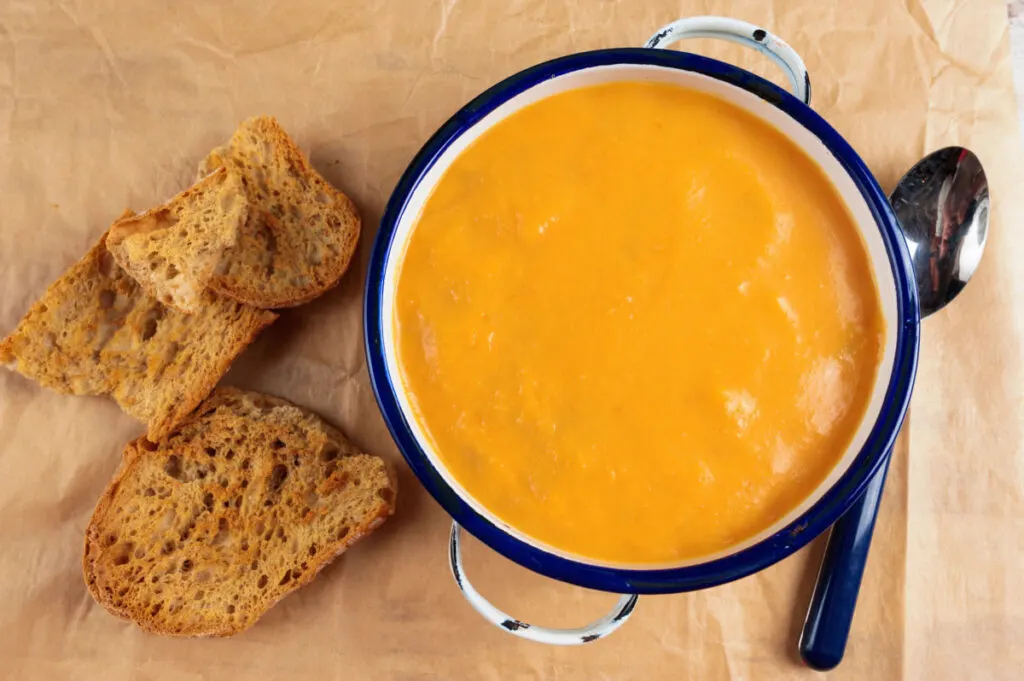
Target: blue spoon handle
x,y
823,640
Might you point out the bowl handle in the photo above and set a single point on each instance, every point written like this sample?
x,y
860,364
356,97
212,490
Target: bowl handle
x,y
509,624
741,32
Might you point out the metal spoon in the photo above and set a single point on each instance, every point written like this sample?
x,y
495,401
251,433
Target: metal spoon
x,y
942,206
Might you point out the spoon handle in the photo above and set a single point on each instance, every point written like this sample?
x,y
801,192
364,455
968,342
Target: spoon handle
x,y
827,627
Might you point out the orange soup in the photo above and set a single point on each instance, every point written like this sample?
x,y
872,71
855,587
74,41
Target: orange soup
x,y
637,323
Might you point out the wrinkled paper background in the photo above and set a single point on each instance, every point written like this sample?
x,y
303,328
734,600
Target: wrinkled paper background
x,y
106,105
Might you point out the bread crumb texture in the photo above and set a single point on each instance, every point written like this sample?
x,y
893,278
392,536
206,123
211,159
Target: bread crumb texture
x,y
203,531
300,232
172,250
96,332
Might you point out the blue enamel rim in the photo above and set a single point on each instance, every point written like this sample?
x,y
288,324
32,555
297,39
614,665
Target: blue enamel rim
x,y
669,580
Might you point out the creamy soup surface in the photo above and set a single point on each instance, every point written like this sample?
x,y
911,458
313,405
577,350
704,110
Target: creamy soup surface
x,y
637,323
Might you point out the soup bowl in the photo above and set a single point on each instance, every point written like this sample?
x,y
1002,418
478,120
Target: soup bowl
x,y
788,113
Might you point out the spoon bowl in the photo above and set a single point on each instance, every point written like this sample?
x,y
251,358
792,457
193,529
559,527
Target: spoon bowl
x,y
942,206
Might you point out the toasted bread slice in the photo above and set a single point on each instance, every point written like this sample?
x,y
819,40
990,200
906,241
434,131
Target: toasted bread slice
x,y
300,233
202,532
96,332
173,249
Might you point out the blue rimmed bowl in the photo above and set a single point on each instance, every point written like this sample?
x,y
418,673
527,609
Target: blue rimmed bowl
x,y
792,116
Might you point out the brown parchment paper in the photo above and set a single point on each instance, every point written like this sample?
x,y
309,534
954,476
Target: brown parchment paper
x,y
109,104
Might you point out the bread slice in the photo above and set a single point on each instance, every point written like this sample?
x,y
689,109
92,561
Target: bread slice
x,y
202,532
173,249
96,332
300,233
